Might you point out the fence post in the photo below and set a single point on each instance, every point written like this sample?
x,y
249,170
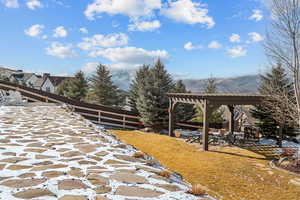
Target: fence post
x,y
99,117
124,124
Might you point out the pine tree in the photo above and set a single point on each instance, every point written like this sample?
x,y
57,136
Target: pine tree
x,y
277,80
77,87
152,102
138,81
184,112
217,115
211,86
102,87
63,88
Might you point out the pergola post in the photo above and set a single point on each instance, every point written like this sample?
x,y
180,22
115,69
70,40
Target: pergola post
x,y
231,118
206,114
172,106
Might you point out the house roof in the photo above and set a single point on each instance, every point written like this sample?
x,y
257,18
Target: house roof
x,y
56,80
38,83
28,76
22,75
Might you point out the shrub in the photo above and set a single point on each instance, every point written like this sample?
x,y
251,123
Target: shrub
x,y
197,190
139,155
164,173
288,152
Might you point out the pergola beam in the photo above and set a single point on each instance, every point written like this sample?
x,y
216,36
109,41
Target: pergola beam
x,y
208,103
206,113
231,118
172,106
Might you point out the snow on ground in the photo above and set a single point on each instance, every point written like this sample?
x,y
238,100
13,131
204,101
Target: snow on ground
x,y
49,153
273,142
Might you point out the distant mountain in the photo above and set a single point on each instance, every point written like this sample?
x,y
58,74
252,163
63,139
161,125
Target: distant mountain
x,y
240,84
122,78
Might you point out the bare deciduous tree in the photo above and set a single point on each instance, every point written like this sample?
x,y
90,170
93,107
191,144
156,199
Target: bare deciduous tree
x,y
283,107
283,41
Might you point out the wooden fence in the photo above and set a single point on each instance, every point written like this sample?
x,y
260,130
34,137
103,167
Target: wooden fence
x,y
103,115
100,114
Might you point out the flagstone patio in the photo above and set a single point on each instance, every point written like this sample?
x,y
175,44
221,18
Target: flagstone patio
x,y
47,152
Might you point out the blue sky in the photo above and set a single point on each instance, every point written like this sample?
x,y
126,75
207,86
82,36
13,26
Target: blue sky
x,y
195,39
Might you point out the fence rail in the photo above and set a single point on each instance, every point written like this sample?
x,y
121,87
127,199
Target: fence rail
x,y
100,114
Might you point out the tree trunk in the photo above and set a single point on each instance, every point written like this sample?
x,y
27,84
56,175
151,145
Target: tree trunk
x,y
280,135
297,95
296,73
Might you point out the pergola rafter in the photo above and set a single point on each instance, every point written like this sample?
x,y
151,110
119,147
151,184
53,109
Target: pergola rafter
x,y
208,103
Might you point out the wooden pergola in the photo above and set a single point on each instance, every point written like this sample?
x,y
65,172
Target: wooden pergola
x,y
208,103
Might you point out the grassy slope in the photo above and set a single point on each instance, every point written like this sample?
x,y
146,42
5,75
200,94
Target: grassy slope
x,y
232,173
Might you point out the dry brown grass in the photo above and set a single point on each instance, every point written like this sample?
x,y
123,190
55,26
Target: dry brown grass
x,y
229,174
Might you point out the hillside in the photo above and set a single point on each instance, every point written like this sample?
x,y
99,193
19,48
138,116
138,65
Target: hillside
x,y
240,84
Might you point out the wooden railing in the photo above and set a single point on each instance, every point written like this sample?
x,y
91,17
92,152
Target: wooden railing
x,y
100,114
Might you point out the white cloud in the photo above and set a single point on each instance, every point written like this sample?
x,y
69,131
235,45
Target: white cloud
x,y
11,3
255,37
131,55
189,46
35,30
144,26
33,4
237,51
60,31
256,15
235,38
84,30
180,75
214,45
89,67
59,50
98,41
188,12
132,8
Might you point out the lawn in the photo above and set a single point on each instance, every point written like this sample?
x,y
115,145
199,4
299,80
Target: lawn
x,y
229,173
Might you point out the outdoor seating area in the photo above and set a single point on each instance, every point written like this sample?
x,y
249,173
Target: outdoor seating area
x,y
217,136
208,103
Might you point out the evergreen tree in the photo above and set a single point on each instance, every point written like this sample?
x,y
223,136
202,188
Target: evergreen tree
x,y
211,86
63,88
152,102
139,81
217,115
77,87
184,112
277,80
103,88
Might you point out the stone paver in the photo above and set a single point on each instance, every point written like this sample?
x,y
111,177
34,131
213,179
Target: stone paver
x,y
73,197
21,183
137,192
71,184
47,153
33,193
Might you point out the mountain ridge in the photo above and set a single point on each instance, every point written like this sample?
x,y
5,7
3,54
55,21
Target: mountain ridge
x,y
237,84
